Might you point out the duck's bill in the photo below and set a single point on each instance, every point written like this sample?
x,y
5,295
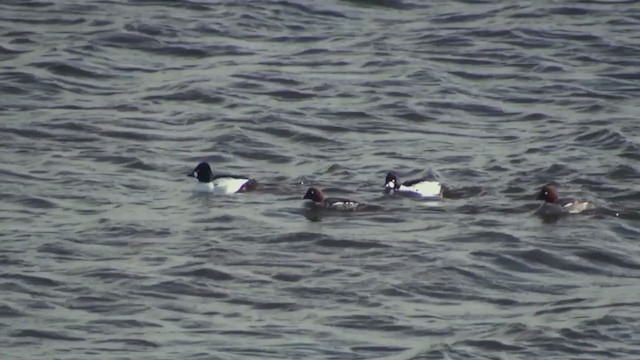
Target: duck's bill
x,y
191,174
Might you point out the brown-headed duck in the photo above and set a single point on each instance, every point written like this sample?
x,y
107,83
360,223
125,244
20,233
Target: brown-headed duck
x,y
553,205
314,194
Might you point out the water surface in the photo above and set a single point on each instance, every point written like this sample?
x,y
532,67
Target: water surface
x,y
106,105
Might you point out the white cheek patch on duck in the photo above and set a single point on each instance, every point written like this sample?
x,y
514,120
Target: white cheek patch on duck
x,y
390,185
228,185
425,188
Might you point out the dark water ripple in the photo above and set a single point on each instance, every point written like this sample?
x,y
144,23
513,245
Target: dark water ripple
x,y
106,105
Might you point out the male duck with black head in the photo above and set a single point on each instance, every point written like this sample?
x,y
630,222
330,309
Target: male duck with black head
x,y
554,206
220,184
423,187
330,203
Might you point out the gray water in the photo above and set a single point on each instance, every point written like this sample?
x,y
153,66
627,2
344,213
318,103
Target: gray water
x,y
105,106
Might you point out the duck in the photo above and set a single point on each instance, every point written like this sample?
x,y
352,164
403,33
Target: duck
x,y
418,187
319,200
220,184
553,205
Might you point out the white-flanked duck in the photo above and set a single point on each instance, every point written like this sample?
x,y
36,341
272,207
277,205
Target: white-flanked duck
x,y
220,184
418,187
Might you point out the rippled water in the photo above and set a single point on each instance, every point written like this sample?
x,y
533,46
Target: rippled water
x,y
106,105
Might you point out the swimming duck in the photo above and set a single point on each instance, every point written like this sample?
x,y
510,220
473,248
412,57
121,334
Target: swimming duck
x,y
553,205
220,184
418,187
314,194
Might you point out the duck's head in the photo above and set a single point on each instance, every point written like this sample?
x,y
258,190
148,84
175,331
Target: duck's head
x,y
202,172
391,181
548,193
314,194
